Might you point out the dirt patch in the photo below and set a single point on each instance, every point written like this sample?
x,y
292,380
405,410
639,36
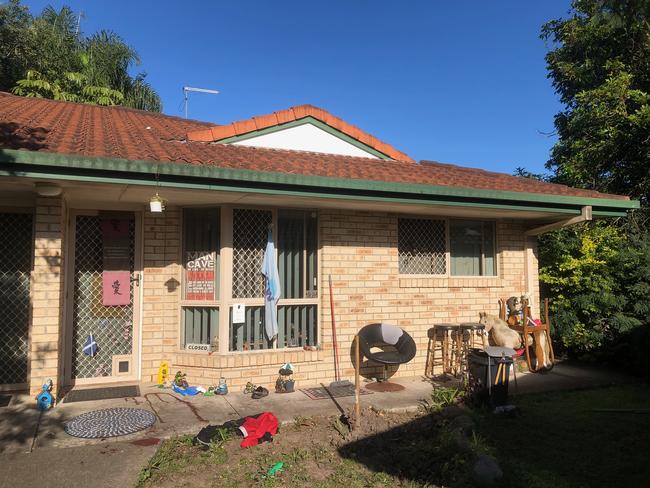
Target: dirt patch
x,y
383,450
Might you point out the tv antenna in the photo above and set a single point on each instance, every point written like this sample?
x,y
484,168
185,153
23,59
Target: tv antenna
x,y
186,97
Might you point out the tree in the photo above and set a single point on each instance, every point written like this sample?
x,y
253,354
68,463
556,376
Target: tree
x,y
15,46
600,67
598,274
46,56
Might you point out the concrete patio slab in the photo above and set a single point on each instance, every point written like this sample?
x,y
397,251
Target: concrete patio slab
x,y
183,415
567,375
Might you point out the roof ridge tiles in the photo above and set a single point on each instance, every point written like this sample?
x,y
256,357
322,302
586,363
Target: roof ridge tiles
x,y
297,112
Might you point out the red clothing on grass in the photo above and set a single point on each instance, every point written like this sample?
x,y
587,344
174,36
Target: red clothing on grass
x,y
255,428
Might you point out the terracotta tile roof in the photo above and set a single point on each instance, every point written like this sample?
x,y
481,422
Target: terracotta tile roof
x,y
241,127
116,132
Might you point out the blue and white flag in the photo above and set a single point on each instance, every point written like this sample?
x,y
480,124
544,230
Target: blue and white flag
x,y
90,348
271,289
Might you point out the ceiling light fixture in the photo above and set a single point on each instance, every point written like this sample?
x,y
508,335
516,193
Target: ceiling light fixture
x,y
156,204
44,189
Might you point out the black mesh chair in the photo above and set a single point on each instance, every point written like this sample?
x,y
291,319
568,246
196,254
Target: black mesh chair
x,y
397,347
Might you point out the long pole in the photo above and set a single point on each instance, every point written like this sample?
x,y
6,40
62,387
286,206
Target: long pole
x,y
336,346
357,383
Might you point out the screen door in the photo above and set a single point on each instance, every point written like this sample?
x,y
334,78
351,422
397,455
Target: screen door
x,y
103,342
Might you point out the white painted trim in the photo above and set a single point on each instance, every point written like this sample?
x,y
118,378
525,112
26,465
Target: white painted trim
x,y
305,137
585,216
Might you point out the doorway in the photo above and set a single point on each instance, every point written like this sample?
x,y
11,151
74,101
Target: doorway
x,y
103,297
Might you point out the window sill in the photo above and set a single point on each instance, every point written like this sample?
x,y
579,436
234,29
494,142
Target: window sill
x,y
246,359
450,282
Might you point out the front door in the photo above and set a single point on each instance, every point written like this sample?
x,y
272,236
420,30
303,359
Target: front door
x,y
103,298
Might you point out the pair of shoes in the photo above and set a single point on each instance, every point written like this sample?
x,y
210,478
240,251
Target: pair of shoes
x,y
260,392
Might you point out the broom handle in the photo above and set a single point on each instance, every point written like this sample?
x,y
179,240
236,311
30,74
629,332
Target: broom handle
x,y
357,384
336,346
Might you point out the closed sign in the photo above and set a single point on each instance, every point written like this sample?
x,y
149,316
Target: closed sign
x,y
198,347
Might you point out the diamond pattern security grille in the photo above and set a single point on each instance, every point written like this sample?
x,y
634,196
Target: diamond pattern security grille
x,y
422,246
15,265
250,229
112,327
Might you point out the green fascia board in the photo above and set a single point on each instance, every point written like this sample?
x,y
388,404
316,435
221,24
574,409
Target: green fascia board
x,y
294,193
296,184
305,120
603,213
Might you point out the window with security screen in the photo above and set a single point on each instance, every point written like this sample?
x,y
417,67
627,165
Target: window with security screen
x,y
295,234
201,264
249,235
422,246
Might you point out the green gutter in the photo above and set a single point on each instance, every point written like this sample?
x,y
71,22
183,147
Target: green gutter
x,y
248,180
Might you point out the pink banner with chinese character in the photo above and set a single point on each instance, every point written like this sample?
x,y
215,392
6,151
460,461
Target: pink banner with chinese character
x,y
116,288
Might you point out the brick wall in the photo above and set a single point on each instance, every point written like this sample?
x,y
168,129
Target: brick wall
x,y
46,334
359,250
161,290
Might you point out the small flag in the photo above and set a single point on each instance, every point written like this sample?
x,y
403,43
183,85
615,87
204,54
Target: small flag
x,y
90,348
272,289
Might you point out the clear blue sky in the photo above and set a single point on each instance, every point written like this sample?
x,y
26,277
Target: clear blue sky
x,y
454,81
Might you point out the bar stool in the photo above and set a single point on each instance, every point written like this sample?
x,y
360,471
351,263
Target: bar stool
x,y
441,337
470,335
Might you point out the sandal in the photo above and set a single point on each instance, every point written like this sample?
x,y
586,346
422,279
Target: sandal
x,y
249,388
260,392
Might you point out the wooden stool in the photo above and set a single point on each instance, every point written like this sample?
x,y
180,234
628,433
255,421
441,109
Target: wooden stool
x,y
470,335
441,337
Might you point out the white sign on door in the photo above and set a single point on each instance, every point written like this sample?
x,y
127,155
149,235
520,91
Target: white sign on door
x,y
238,313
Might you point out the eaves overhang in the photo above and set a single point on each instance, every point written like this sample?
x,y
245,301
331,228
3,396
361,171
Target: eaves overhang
x,y
40,164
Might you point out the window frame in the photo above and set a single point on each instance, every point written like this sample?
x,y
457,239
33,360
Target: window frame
x,y
448,220
496,250
446,251
185,303
225,299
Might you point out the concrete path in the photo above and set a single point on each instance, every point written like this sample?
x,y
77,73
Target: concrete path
x,y
39,453
184,415
568,376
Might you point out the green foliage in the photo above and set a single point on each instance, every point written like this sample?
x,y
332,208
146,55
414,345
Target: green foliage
x,y
441,397
598,275
599,278
600,67
178,454
47,57
72,87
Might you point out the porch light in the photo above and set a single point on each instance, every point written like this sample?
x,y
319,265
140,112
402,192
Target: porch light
x,y
44,189
156,204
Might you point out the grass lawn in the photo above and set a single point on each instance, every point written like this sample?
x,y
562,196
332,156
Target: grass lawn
x,y
557,441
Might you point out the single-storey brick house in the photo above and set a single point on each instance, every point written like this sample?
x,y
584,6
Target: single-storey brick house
x,y
405,242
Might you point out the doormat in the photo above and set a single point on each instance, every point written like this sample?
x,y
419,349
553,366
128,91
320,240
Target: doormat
x,y
321,392
4,400
102,393
110,422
